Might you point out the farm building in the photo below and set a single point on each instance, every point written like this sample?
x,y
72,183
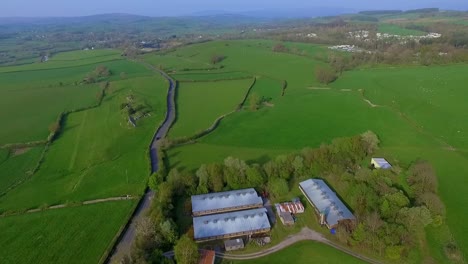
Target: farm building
x,y
380,163
325,202
231,225
233,244
207,257
222,202
294,207
285,217
285,211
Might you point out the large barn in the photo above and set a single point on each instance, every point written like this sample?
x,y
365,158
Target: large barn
x,y
230,225
325,202
213,203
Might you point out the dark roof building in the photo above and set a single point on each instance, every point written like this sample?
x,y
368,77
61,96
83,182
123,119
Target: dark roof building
x,y
234,244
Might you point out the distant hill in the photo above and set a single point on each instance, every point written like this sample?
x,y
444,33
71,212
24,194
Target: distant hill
x,y
272,13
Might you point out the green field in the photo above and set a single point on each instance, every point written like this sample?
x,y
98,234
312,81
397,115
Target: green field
x,y
52,91
201,103
59,236
208,76
98,155
419,116
303,252
68,59
16,167
398,30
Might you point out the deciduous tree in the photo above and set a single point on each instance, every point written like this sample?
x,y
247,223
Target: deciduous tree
x,y
186,251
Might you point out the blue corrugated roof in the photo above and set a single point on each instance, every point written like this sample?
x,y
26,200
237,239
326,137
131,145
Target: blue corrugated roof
x,y
326,201
230,223
383,163
221,200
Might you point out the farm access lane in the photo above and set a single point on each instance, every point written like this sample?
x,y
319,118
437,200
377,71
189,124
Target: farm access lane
x,y
126,238
305,234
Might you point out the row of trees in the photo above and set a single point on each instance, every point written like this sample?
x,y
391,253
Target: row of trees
x,y
98,74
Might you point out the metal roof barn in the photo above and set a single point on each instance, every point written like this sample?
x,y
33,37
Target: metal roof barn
x,y
225,202
325,201
380,163
234,224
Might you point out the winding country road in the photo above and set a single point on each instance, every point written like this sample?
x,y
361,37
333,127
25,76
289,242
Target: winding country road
x,y
125,241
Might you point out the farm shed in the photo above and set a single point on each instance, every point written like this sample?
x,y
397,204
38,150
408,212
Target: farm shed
x,y
325,202
286,218
222,202
234,244
231,225
207,257
294,207
380,163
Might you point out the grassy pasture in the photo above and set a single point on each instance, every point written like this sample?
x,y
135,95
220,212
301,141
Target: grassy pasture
x,y
16,167
31,100
68,59
303,252
251,56
172,62
200,104
98,155
208,76
434,100
70,235
398,30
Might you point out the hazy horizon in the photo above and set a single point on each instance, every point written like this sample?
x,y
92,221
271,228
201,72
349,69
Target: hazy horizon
x,y
58,8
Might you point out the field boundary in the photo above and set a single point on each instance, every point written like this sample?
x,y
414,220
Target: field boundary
x,y
30,144
214,80
56,68
68,205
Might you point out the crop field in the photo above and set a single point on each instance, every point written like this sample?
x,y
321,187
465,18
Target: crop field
x,y
303,252
201,103
17,166
397,30
52,91
417,113
57,236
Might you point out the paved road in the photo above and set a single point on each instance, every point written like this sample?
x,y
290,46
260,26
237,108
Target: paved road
x,y
305,234
126,239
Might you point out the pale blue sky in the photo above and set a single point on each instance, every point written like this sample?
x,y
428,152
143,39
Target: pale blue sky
x,y
34,8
